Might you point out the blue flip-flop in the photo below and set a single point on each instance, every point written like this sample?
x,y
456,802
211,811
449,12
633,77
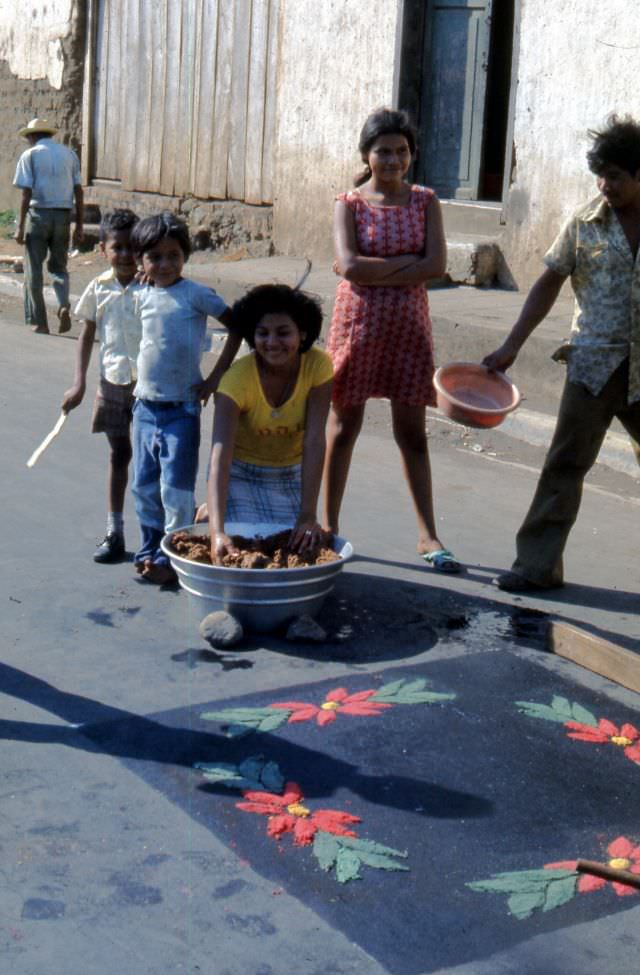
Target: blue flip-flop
x,y
442,561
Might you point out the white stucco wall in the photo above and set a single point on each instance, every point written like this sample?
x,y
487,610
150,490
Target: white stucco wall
x,y
31,35
336,65
578,62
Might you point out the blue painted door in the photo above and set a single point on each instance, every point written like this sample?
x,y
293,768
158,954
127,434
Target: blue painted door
x,y
455,82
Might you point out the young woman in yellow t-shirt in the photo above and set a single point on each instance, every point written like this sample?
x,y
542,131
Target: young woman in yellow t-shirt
x,y
270,416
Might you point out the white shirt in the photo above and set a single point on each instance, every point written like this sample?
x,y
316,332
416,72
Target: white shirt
x,y
51,171
118,327
174,329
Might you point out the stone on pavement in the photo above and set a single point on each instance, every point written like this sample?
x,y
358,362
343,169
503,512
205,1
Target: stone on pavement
x,y
221,629
305,629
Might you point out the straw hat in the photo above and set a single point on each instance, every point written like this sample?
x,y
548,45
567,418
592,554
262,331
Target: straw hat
x,y
38,126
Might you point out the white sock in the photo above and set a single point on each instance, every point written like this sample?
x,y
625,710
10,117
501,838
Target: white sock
x,y
115,522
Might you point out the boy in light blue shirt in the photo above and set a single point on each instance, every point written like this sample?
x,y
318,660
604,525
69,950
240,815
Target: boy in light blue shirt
x,y
170,388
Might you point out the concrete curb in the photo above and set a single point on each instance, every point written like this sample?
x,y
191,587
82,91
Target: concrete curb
x,y
532,427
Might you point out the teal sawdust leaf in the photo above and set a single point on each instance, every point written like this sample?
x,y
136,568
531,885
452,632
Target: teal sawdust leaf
x,y
521,881
228,775
254,773
266,773
522,905
562,705
243,721
347,866
534,710
370,847
408,692
325,849
560,891
580,714
379,862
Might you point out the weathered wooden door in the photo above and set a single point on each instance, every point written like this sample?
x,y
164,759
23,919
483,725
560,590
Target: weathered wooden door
x,y
455,79
184,96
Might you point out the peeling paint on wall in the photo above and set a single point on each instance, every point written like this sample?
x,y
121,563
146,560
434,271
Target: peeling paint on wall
x,y
31,38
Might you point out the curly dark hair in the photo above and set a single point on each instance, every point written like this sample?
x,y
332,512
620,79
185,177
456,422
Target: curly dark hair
x,y
115,220
150,231
383,121
617,144
277,299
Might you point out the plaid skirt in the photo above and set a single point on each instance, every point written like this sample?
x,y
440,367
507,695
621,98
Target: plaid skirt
x,y
264,494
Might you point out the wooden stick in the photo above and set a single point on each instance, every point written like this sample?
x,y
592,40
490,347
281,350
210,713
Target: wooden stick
x,y
609,873
596,654
47,440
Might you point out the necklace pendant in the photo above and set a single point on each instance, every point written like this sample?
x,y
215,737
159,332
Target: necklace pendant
x,y
275,414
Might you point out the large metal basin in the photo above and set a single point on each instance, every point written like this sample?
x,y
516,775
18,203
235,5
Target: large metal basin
x,y
262,599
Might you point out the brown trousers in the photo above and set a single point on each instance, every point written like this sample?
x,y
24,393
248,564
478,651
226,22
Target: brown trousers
x,y
583,421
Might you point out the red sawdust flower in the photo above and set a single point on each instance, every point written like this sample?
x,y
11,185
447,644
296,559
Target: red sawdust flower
x,y
623,855
287,814
335,701
627,737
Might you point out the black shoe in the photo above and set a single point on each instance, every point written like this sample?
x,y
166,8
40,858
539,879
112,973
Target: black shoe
x,y
111,549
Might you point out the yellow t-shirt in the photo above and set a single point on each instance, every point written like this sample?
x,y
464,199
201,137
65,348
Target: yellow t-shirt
x,y
267,436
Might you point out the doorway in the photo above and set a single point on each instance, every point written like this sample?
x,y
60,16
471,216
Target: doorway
x,y
463,96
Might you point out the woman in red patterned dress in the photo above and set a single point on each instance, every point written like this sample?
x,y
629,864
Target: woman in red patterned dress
x,y
389,242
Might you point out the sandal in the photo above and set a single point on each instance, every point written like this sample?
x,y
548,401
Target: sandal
x,y
442,561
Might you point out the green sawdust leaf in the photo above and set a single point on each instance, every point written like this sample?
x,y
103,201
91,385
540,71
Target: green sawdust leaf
x,y
242,721
578,713
560,891
370,846
521,881
522,905
325,849
266,773
347,866
253,773
408,692
228,775
379,862
562,705
534,710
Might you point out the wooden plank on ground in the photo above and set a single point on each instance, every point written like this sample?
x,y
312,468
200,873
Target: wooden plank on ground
x,y
596,654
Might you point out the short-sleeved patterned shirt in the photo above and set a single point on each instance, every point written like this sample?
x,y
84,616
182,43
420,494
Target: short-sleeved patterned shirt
x,y
593,249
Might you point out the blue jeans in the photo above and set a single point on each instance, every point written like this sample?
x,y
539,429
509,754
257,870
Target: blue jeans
x,y
47,232
166,438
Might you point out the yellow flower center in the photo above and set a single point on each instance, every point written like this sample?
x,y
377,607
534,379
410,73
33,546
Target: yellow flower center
x,y
620,863
621,740
330,706
297,809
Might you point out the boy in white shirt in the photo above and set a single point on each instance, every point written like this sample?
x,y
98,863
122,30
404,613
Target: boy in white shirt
x,y
109,312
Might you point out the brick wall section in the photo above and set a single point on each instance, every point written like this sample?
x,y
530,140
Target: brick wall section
x,y
22,99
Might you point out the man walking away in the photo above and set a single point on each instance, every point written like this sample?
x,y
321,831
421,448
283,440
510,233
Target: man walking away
x,y
48,174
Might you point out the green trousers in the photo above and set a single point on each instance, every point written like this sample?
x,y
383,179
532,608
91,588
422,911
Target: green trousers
x,y
583,421
46,232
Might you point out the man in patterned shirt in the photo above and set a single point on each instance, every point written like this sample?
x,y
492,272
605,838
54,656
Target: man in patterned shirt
x,y
598,249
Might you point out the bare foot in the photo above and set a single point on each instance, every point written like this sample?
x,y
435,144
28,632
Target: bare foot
x,y
64,321
159,574
40,330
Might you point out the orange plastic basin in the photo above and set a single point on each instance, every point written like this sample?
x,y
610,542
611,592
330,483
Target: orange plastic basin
x,y
470,393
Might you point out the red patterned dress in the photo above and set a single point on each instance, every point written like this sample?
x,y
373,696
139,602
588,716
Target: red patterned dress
x,y
380,337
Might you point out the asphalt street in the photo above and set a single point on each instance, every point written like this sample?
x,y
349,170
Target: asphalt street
x,y
117,856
